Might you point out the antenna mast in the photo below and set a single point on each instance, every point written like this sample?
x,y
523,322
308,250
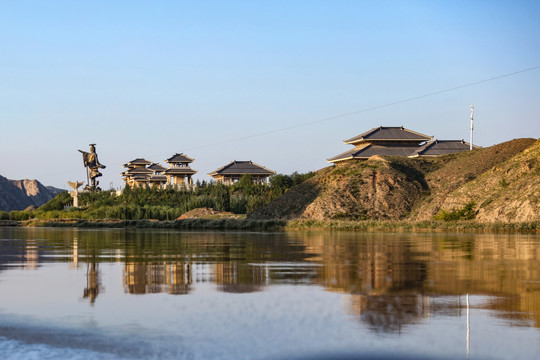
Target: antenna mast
x,y
472,126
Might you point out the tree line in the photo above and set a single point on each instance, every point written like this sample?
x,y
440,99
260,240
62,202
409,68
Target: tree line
x,y
139,203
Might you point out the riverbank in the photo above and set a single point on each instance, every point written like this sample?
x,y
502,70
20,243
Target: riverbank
x,y
288,225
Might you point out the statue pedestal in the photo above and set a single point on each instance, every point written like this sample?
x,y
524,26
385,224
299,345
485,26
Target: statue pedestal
x,y
75,193
75,196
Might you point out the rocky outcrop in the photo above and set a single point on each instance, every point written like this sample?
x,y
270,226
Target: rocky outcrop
x,y
373,189
21,194
503,181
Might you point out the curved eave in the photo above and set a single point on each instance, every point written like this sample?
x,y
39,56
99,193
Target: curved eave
x,y
339,160
244,173
374,141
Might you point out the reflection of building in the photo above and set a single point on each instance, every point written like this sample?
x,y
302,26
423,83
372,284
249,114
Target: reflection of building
x,y
31,255
141,278
239,278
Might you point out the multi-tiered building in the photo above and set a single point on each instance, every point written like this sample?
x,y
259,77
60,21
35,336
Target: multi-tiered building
x,y
397,141
141,172
179,172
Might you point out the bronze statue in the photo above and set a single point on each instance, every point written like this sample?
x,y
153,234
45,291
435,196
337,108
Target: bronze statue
x,y
92,165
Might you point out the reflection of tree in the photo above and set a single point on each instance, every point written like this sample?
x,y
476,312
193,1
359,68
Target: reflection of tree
x,y
391,266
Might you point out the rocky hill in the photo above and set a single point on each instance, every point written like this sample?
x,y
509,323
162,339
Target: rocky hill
x,y
392,188
21,194
509,191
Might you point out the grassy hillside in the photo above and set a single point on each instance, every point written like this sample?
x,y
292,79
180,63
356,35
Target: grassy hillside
x,y
510,191
392,188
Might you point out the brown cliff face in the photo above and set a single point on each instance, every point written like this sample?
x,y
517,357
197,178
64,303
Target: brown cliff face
x,y
20,194
374,189
393,188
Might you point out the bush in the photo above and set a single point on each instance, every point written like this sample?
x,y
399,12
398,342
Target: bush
x,y
465,213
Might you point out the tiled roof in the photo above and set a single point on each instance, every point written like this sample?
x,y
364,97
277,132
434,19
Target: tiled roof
x,y
156,167
442,147
140,177
371,150
179,158
241,168
135,171
158,178
138,161
389,133
181,170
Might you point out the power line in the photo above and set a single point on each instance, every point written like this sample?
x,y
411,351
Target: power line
x,y
364,110
418,97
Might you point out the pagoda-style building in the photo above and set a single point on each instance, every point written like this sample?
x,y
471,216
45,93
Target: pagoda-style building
x,y
179,173
390,141
137,174
141,172
233,172
158,178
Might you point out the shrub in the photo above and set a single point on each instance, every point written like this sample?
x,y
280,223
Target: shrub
x,y
465,213
504,183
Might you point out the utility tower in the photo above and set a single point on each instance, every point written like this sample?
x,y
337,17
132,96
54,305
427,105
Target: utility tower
x,y
472,127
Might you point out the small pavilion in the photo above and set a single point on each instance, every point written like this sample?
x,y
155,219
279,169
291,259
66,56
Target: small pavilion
x,y
233,172
179,172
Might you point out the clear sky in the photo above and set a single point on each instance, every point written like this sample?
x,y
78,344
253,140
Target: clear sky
x,y
153,78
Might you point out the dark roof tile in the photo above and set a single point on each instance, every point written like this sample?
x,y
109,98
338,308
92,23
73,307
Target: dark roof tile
x,y
389,133
442,147
241,168
372,150
179,158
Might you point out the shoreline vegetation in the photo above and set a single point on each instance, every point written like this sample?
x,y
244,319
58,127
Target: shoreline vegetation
x,y
493,189
236,224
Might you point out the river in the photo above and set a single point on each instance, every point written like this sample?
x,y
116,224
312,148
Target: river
x,y
140,294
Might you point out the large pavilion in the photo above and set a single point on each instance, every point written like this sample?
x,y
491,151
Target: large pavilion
x,y
397,141
233,172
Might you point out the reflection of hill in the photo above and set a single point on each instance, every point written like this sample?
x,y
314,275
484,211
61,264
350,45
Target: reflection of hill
x,y
391,278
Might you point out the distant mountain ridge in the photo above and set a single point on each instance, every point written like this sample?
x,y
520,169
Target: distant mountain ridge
x,y
20,194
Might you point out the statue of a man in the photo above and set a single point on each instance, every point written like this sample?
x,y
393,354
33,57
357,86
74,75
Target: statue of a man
x,y
92,164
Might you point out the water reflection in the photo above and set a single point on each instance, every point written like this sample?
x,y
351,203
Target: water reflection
x,y
391,280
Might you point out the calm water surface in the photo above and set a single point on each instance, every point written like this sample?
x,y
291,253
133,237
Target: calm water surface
x,y
115,294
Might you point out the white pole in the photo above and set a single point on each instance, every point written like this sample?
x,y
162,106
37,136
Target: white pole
x,y
468,327
472,127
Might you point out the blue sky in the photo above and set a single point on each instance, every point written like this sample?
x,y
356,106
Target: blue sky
x,y
149,79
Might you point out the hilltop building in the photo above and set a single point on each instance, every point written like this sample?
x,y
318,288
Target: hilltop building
x,y
397,141
233,172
